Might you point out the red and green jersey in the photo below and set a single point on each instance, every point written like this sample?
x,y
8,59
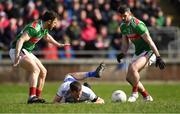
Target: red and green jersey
x,y
35,31
133,31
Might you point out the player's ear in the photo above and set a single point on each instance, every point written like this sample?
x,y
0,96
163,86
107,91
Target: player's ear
x,y
49,21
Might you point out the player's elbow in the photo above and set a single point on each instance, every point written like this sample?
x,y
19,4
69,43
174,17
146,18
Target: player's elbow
x,y
56,99
48,38
20,41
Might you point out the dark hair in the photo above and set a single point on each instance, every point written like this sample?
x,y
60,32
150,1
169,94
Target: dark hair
x,y
75,86
122,9
49,15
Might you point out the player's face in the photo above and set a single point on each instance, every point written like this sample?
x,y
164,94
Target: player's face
x,y
52,24
125,16
77,94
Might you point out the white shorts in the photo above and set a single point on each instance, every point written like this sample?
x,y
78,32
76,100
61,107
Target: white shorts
x,y
151,57
12,53
69,78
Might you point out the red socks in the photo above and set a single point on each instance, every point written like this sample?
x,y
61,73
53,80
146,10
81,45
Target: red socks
x,y
38,92
135,89
33,91
144,93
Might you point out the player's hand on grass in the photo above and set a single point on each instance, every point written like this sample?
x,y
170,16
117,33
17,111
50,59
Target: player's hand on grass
x,y
99,101
119,57
160,63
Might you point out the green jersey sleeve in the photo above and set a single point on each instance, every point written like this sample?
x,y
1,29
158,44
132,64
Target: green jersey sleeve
x,y
141,28
46,32
123,29
31,31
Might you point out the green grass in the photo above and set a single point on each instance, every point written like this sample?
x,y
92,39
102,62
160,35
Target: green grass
x,y
166,96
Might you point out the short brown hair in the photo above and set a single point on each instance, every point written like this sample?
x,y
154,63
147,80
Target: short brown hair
x,y
49,15
75,86
122,9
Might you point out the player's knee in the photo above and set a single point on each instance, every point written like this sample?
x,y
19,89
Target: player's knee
x,y
36,70
132,68
128,79
43,73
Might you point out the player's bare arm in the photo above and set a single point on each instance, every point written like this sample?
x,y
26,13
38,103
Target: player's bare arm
x,y
159,62
57,99
25,37
148,39
50,39
124,48
125,44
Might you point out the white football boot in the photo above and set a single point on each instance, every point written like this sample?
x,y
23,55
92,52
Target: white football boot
x,y
148,98
133,97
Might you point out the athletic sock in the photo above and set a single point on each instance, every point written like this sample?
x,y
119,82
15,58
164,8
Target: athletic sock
x,y
90,74
32,91
135,89
144,93
38,92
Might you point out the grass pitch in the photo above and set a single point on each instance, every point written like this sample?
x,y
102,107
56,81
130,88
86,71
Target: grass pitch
x,y
13,98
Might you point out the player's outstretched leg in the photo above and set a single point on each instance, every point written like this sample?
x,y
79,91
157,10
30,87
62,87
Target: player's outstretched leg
x,y
83,75
99,70
97,73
